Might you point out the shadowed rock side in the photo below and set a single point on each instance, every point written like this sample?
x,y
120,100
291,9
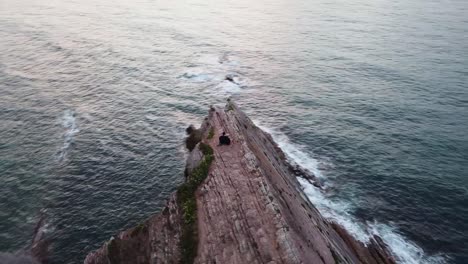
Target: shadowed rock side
x,y
154,241
35,253
250,209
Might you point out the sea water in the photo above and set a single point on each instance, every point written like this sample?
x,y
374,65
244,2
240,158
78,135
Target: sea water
x,y
370,96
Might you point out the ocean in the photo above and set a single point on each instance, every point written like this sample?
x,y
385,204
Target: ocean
x,y
370,96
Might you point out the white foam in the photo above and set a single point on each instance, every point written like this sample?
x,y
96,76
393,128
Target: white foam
x,y
152,117
295,153
340,211
227,88
71,128
406,251
197,75
238,79
216,70
335,210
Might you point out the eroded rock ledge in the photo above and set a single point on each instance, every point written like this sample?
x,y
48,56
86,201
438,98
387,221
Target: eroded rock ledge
x,y
249,209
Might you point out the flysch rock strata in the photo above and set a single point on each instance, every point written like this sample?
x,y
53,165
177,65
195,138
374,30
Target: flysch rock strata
x,y
250,209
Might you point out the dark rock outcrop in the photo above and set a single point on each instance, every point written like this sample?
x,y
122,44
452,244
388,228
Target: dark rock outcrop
x,y
154,241
35,253
249,209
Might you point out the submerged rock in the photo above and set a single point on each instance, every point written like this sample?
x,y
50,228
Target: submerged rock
x,y
247,207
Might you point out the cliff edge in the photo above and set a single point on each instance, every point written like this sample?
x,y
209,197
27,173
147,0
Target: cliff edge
x,y
240,203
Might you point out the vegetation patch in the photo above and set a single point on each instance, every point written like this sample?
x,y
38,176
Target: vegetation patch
x,y
211,133
188,204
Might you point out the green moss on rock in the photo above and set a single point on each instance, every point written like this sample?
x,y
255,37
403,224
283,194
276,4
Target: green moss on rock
x,y
211,133
188,204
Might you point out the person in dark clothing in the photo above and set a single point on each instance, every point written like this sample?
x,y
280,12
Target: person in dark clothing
x,y
224,140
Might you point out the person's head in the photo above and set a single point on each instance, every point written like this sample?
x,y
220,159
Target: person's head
x,y
224,133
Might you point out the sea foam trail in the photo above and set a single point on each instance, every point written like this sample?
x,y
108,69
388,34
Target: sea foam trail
x,y
340,212
71,128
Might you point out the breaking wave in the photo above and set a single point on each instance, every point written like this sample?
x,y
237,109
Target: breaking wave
x,y
340,211
295,153
197,76
222,72
227,88
70,129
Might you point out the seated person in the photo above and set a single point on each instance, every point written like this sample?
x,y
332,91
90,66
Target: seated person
x,y
224,140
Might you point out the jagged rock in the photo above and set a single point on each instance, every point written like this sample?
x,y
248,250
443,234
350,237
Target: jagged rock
x,y
194,136
193,159
250,209
154,241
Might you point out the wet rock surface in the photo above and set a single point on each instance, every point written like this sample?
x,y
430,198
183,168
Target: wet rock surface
x,y
250,209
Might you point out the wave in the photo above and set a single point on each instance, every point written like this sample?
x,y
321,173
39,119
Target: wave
x,y
71,128
295,153
197,76
221,71
227,88
340,211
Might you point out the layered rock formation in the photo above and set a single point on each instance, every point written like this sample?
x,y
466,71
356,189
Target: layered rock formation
x,y
240,204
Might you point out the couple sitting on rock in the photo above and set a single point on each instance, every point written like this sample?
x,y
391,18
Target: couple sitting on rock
x,y
224,140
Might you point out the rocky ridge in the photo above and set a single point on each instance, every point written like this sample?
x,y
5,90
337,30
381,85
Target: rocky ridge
x,y
241,203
